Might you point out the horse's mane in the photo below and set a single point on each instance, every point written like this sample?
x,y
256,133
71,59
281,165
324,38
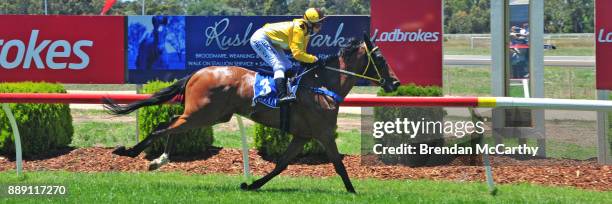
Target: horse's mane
x,y
352,46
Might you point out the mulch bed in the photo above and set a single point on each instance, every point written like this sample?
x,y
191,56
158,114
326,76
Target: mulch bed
x,y
584,174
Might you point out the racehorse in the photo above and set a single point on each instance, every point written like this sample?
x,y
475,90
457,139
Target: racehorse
x,y
213,94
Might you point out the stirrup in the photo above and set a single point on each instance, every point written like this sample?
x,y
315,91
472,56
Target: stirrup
x,y
287,96
287,99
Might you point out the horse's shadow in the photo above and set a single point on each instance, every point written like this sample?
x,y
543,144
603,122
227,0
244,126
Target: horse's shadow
x,y
228,188
210,152
302,159
43,156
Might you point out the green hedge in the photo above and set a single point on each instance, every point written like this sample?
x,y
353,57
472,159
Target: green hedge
x,y
413,114
270,143
43,127
191,142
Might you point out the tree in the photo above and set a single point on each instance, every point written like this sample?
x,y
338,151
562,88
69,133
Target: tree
x,y
460,23
569,16
275,7
212,7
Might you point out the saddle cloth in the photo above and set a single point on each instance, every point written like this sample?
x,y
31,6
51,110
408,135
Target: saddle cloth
x,y
265,91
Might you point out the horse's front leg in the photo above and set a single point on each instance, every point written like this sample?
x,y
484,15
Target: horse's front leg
x,y
295,147
328,141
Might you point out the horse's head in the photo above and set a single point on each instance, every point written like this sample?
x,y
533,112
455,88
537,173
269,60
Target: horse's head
x,y
377,67
159,23
359,59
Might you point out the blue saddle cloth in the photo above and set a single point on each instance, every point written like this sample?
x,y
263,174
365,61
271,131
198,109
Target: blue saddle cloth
x,y
265,91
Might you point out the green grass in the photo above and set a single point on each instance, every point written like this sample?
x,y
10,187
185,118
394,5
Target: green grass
x,y
565,47
104,134
173,187
467,81
111,134
348,142
559,82
232,139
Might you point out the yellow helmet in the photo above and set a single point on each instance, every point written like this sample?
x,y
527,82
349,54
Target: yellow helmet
x,y
314,15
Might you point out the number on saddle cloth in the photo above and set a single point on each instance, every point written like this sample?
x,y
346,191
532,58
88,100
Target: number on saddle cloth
x,y
265,91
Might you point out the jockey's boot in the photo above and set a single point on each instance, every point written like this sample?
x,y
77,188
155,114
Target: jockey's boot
x,y
284,95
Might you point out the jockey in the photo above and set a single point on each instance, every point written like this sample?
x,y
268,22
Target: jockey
x,y
270,41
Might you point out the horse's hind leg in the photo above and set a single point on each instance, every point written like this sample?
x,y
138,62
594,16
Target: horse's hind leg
x,y
142,145
295,147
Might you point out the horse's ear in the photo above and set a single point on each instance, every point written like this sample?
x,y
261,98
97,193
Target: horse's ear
x,y
366,39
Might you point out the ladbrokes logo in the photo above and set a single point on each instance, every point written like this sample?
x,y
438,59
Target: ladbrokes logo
x,y
604,37
398,35
30,54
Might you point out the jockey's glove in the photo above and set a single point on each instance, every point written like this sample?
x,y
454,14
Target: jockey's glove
x,y
319,63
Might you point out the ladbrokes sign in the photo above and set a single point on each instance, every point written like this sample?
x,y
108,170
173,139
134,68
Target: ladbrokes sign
x,y
409,33
67,49
603,41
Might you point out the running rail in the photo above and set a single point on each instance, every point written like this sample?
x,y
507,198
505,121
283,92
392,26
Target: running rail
x,y
490,102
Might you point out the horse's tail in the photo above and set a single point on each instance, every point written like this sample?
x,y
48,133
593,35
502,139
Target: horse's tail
x,y
159,97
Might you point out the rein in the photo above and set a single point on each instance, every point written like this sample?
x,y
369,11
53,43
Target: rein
x,y
370,61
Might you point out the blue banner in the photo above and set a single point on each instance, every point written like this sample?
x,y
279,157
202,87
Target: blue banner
x,y
170,47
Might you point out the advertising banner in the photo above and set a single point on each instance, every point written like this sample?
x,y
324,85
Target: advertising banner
x,y
409,33
66,49
170,47
603,43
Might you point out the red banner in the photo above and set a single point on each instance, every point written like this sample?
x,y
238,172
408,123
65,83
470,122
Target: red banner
x,y
66,49
603,43
409,33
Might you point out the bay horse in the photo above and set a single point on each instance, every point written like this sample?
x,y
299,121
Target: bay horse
x,y
213,94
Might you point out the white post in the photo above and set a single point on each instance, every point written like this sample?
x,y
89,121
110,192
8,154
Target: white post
x,y
46,13
13,123
526,92
472,42
498,47
143,7
498,73
536,66
245,148
499,52
603,142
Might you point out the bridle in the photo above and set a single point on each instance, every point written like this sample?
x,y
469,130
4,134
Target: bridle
x,y
380,79
363,75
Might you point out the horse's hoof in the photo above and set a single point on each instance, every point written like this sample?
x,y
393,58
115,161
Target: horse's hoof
x,y
351,190
154,166
245,187
122,151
